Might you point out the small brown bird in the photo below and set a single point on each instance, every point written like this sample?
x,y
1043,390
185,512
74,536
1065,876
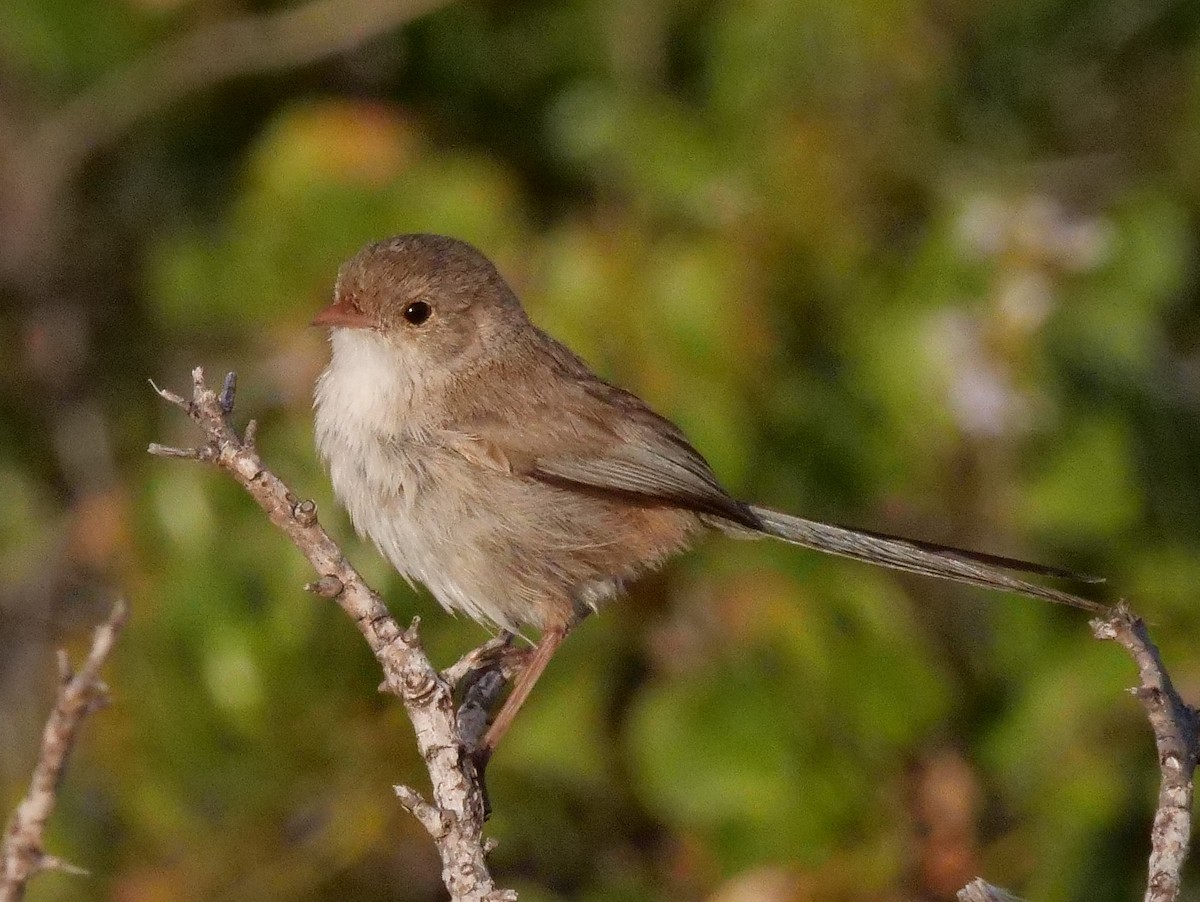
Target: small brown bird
x,y
486,460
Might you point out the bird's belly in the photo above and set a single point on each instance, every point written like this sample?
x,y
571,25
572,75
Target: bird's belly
x,y
501,548
406,503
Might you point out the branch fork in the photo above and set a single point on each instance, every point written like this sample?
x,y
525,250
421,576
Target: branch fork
x,y
1176,728
22,853
447,736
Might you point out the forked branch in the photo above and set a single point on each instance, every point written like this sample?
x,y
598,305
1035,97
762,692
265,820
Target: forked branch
x,y
455,814
1175,732
79,694
1176,727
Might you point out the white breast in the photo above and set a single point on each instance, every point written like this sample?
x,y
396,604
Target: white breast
x,y
370,434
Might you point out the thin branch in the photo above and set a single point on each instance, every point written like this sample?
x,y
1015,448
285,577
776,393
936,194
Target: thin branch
x,y
1175,727
980,891
207,56
498,652
23,852
455,815
35,171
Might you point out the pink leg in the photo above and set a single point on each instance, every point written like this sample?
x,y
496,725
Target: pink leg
x,y
547,645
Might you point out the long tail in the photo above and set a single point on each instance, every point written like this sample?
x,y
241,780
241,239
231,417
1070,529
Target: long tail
x,y
925,558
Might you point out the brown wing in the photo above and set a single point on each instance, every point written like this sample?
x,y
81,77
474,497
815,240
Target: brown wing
x,y
560,424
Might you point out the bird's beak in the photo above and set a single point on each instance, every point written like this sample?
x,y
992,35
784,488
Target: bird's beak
x,y
342,312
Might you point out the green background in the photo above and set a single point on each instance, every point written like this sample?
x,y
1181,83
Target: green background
x,y
927,268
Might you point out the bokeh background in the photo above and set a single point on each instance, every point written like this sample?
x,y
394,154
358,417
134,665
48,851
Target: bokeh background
x,y
928,268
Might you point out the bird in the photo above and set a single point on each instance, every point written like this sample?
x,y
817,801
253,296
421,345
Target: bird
x,y
487,461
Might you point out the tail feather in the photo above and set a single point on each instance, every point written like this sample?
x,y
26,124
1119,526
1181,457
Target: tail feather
x,y
924,558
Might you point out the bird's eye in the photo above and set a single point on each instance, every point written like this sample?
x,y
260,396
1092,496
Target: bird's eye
x,y
417,312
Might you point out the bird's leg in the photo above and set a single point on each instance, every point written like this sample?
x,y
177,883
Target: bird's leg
x,y
547,645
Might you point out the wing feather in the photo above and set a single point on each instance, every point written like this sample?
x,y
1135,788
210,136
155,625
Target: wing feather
x,y
570,429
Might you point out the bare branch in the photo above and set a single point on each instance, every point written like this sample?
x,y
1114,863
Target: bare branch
x,y
168,395
211,54
1175,734
430,816
455,815
980,891
1176,728
35,172
495,653
163,451
79,694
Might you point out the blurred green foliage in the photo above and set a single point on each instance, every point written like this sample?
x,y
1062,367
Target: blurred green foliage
x,y
924,268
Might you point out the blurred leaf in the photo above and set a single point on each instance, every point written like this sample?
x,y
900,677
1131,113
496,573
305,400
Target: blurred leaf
x,y
1085,487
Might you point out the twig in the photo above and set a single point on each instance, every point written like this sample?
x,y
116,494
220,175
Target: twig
x,y
498,652
1175,734
1176,728
207,56
455,815
34,172
79,694
980,891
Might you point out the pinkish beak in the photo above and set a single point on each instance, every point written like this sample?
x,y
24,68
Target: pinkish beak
x,y
342,312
